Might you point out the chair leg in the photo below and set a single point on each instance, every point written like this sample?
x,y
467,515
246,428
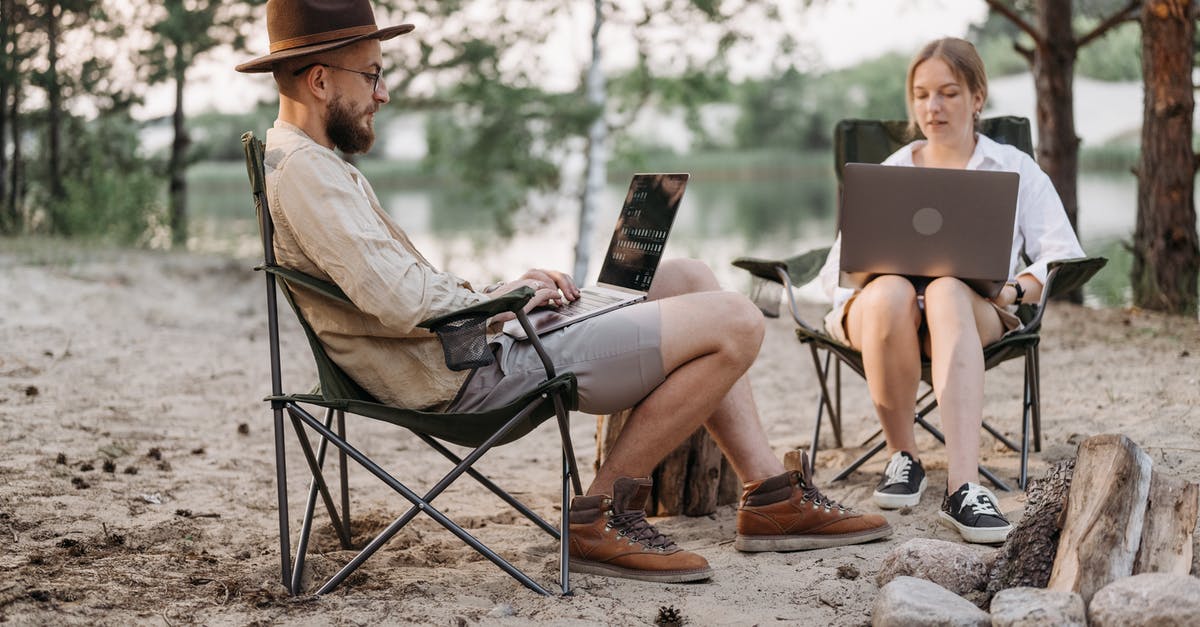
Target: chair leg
x,y
989,475
285,538
422,504
860,461
570,480
1035,383
309,507
315,466
344,470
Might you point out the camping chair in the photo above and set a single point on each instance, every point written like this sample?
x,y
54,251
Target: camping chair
x,y
463,338
871,141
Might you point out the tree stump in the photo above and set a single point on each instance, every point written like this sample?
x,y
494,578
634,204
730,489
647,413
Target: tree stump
x,y
1105,515
1170,521
692,480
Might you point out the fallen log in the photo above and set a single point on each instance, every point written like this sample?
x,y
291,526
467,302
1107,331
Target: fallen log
x,y
1166,545
1105,515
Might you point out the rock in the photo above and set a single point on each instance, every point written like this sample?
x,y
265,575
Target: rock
x,y
909,601
1027,557
956,567
1155,599
1034,607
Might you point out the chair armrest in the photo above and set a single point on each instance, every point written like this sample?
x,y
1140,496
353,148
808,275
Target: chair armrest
x,y
800,269
1064,276
296,277
511,302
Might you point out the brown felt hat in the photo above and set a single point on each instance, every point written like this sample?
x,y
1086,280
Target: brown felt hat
x,y
301,27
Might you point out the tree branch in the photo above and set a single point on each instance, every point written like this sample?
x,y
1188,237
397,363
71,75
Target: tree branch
x,y
1025,52
1118,17
1012,16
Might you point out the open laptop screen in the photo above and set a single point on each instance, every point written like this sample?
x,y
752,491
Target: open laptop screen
x,y
641,232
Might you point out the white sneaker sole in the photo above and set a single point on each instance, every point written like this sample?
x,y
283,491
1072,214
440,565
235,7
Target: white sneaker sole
x,y
896,501
976,535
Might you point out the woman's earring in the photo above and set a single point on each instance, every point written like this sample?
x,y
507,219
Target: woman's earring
x,y
976,116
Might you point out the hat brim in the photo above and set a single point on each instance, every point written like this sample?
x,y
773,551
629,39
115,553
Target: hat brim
x,y
267,63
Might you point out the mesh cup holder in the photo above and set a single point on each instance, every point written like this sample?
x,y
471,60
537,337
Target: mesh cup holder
x,y
464,343
766,294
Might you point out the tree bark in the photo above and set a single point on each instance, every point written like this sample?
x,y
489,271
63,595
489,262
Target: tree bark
x,y
54,115
1053,72
597,156
177,167
1105,515
7,219
1166,254
16,174
1170,522
692,480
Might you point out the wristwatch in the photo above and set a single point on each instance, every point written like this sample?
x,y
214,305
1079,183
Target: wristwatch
x,y
1016,285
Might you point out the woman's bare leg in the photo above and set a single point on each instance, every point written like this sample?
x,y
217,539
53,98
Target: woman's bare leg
x,y
960,323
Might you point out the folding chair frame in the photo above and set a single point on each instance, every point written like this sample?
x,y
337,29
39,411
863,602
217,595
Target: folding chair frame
x,y
291,571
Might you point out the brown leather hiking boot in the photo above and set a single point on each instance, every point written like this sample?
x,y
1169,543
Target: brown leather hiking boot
x,y
610,536
787,513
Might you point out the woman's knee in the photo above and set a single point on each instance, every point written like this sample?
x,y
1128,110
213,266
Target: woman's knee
x,y
888,297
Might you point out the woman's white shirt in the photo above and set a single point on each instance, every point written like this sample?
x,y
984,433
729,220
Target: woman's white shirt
x,y
1041,225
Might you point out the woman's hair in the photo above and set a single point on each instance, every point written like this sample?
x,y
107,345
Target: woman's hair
x,y
964,62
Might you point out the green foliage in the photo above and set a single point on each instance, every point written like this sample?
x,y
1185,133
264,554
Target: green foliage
x,y
1117,56
214,135
111,192
797,111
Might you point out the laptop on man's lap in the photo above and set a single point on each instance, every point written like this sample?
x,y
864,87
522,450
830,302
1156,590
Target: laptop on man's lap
x,y
927,222
633,255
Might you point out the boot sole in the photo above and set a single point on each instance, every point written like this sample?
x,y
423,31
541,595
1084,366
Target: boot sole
x,y
895,501
606,570
757,544
976,535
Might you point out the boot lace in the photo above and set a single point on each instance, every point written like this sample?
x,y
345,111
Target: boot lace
x,y
811,493
634,526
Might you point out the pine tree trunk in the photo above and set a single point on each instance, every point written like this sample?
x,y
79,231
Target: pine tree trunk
x,y
1166,255
54,115
16,175
177,168
597,155
1053,71
692,480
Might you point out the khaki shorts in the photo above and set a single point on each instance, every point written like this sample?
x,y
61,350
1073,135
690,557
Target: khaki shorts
x,y
616,358
835,320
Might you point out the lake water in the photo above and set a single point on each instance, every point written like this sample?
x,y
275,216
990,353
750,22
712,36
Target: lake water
x,y
722,217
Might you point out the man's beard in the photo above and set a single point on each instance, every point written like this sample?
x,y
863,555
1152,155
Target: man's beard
x,y
345,128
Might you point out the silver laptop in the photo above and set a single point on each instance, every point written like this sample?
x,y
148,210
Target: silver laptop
x,y
633,255
927,222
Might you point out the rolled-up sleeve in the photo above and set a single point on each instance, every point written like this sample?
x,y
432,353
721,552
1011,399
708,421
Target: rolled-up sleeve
x,y
336,226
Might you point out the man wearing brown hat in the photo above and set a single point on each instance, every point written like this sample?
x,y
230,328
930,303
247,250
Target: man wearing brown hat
x,y
679,358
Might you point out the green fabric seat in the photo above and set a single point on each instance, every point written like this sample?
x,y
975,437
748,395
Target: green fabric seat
x,y
339,394
871,141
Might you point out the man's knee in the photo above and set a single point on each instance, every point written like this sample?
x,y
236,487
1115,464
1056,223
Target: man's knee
x,y
683,276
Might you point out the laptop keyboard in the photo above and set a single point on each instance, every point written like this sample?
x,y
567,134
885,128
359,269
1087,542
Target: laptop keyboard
x,y
589,301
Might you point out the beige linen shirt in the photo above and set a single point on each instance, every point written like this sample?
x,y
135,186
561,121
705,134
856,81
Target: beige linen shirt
x,y
329,224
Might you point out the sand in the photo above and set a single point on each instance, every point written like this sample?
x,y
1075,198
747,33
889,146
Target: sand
x,y
137,480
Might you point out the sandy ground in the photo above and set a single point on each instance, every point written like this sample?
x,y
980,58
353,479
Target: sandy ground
x,y
137,483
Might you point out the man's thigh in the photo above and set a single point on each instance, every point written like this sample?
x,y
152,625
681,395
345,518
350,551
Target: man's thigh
x,y
616,358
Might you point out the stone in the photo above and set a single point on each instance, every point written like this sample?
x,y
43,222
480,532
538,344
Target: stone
x,y
1035,607
909,602
1157,599
502,610
956,567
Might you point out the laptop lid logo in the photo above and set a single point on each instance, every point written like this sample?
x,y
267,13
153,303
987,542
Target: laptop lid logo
x,y
927,221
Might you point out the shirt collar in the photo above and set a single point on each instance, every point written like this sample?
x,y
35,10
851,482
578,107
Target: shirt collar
x,y
986,149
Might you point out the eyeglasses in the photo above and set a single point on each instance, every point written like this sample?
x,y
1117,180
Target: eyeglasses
x,y
371,76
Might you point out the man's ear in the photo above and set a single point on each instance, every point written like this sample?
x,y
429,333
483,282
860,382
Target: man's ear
x,y
316,82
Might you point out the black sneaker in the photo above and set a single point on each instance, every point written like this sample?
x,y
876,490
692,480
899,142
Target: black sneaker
x,y
902,484
972,510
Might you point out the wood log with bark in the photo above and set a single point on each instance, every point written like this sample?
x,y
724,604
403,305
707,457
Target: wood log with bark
x,y
692,480
1105,515
1166,545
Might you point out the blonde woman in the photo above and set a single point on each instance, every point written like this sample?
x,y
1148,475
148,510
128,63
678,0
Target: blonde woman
x,y
894,320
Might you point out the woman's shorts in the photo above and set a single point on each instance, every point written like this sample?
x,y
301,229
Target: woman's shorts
x,y
835,320
616,358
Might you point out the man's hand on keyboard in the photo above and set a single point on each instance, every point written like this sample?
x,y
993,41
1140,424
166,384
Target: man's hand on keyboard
x,y
552,289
